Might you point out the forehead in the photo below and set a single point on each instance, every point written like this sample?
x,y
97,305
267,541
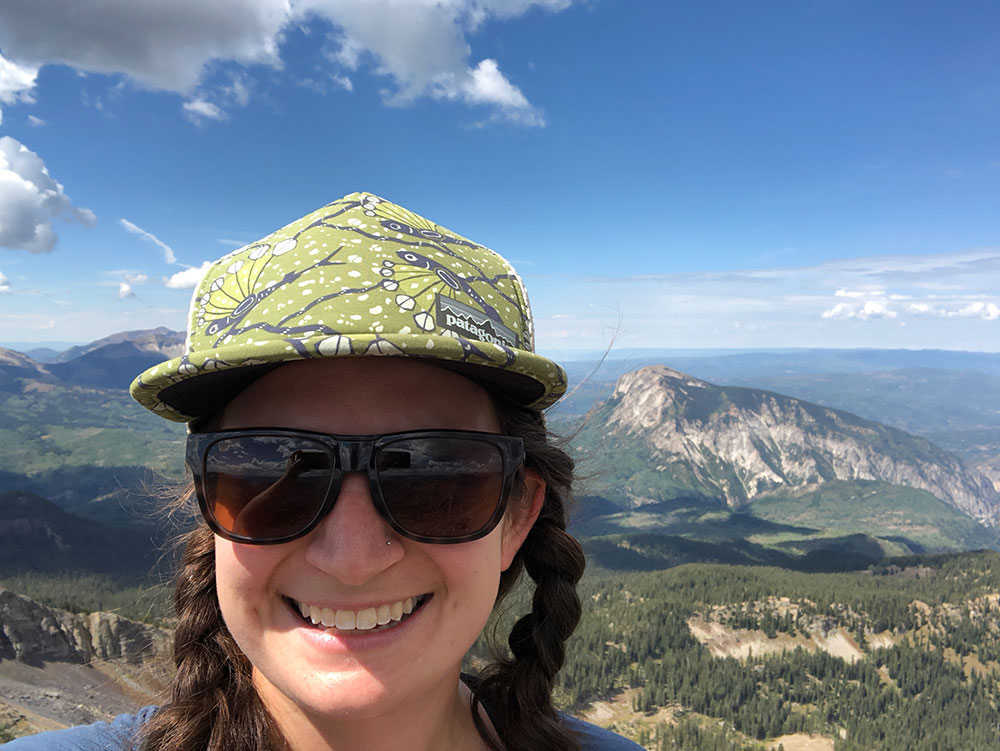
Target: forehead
x,y
363,396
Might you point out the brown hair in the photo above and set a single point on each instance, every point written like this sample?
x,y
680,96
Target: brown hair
x,y
214,706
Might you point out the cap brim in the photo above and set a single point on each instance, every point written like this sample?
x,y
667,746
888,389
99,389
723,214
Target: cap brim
x,y
198,384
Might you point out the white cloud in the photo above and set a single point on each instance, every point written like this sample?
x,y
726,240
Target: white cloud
x,y
986,310
801,304
189,278
201,109
168,252
30,199
425,51
16,81
238,91
487,85
125,291
840,310
36,122
4,284
872,309
136,278
420,46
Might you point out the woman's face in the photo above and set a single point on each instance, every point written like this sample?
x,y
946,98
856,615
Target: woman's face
x,y
345,564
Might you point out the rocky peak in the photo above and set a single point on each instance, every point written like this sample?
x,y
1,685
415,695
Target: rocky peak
x,y
647,395
738,443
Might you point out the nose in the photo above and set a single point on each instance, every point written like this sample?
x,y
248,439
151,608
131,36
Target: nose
x,y
350,543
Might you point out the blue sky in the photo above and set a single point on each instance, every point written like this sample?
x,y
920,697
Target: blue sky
x,y
711,174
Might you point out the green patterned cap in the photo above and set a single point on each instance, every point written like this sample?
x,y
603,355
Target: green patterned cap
x,y
359,277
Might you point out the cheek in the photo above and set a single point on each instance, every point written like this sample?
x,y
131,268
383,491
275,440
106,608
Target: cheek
x,y
472,577
241,576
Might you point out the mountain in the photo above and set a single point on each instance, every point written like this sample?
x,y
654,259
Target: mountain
x,y
959,410
36,535
112,365
160,341
14,366
111,362
42,354
783,371
665,435
70,432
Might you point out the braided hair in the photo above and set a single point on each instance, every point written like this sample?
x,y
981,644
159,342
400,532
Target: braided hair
x,y
214,705
519,688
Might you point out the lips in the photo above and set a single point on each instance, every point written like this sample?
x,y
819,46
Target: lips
x,y
382,617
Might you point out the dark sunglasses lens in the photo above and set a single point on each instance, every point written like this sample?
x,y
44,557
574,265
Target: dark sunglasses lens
x,y
266,487
440,487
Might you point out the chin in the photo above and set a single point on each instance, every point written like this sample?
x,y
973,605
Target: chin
x,y
344,695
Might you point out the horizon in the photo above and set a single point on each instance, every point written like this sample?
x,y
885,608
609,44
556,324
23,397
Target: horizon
x,y
583,355
661,175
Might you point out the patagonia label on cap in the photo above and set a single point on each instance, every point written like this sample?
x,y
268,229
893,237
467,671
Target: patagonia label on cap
x,y
466,322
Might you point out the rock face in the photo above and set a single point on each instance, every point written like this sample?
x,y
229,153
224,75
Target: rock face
x,y
738,443
34,633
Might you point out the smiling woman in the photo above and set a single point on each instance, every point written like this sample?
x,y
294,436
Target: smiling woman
x,y
372,465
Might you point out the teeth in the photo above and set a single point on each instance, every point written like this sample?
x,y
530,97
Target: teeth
x,y
362,620
366,619
329,618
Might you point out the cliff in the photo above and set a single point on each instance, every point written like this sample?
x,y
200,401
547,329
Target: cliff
x,y
34,633
664,434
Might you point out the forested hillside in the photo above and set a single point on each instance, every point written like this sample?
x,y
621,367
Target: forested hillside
x,y
713,657
900,657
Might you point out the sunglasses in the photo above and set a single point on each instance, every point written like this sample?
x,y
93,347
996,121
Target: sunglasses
x,y
266,486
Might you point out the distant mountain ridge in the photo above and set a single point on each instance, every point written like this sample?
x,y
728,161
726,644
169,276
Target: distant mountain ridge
x,y
15,365
111,362
162,341
664,434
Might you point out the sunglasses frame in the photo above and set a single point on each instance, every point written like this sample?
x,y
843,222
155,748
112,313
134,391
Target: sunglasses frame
x,y
354,453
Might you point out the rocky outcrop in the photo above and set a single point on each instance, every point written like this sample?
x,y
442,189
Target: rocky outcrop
x,y
739,443
34,633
